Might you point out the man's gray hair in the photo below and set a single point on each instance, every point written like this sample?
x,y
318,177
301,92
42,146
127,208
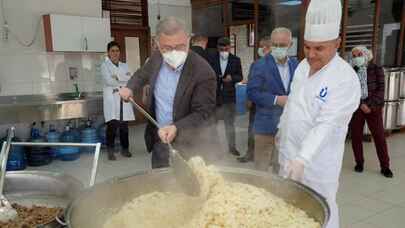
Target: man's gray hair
x,y
282,30
170,26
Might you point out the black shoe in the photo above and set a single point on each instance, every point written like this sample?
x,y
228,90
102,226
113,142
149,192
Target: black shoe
x,y
359,168
111,156
234,151
245,159
126,153
386,172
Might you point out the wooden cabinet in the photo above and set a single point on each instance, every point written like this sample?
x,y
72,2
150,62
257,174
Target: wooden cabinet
x,y
76,34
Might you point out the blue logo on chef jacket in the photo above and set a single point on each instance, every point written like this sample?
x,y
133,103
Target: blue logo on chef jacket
x,y
322,94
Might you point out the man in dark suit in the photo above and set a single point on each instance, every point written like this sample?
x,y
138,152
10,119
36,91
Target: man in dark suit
x,y
182,99
199,46
229,72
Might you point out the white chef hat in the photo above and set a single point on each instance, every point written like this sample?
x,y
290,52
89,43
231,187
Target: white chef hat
x,y
322,22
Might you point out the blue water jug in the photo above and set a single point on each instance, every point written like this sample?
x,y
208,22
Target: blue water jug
x,y
241,98
89,135
35,132
16,157
38,155
53,136
68,153
102,134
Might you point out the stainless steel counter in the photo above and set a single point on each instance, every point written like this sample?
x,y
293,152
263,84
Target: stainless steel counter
x,y
29,108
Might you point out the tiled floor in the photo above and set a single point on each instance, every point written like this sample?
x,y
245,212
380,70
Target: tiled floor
x,y
366,200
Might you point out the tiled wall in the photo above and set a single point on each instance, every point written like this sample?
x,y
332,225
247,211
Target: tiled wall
x,y
31,70
243,51
47,73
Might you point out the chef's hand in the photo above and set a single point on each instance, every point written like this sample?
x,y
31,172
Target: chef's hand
x,y
281,100
295,169
365,108
125,93
168,133
227,78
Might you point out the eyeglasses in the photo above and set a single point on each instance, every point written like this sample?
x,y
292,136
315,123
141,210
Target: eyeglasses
x,y
179,47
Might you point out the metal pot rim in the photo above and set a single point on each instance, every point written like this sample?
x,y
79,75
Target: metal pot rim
x,y
67,178
222,169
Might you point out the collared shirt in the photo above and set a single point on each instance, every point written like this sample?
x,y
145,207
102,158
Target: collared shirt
x,y
284,71
164,93
223,63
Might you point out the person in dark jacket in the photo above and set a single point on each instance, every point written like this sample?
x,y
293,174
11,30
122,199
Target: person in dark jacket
x,y
199,46
371,108
182,97
229,72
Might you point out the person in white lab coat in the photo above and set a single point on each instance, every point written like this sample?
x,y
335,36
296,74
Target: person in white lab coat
x,y
324,94
116,112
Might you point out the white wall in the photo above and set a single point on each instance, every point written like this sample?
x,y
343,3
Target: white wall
x,y
177,8
31,70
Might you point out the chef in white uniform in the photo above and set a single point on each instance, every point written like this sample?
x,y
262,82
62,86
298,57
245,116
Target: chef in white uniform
x,y
116,113
324,94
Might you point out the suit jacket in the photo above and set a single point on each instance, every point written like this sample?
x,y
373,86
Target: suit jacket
x,y
264,85
375,86
226,90
199,50
194,104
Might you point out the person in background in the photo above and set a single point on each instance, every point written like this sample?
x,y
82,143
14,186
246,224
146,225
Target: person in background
x,y
199,46
371,108
268,88
116,112
182,97
229,72
262,51
324,94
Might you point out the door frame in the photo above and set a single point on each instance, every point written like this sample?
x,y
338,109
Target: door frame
x,y
143,33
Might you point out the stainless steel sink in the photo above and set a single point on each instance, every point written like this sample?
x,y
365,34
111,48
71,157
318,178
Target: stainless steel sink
x,y
70,96
29,108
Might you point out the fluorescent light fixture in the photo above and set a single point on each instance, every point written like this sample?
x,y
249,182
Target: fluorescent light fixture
x,y
291,3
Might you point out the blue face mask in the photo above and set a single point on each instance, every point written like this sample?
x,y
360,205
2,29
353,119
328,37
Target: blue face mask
x,y
359,61
279,53
260,52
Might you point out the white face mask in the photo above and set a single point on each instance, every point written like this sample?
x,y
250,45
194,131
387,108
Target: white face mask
x,y
224,54
175,58
279,53
359,61
260,52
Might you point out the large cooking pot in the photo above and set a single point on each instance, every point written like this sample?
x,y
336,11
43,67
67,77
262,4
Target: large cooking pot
x,y
95,205
29,188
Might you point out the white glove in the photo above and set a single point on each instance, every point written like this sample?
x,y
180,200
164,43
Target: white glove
x,y
295,169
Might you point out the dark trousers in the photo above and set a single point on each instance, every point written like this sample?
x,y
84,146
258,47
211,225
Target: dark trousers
x,y
375,124
160,155
251,135
226,112
112,127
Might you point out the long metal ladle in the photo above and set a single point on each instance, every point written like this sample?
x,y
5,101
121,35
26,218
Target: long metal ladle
x,y
182,171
